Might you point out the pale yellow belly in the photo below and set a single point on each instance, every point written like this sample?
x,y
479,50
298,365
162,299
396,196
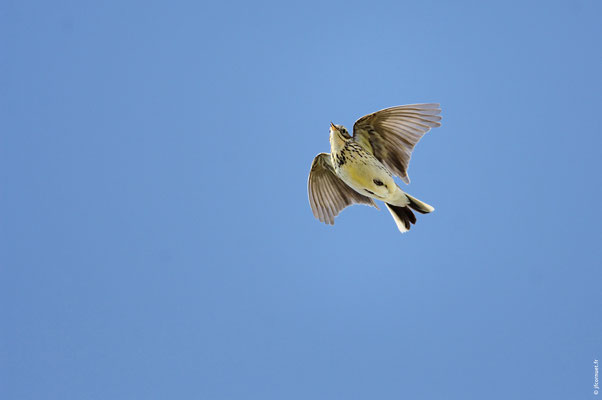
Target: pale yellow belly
x,y
364,178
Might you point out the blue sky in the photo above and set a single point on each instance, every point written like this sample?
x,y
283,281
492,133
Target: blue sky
x,y
156,239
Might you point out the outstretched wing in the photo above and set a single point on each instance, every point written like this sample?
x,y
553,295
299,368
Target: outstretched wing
x,y
328,194
391,134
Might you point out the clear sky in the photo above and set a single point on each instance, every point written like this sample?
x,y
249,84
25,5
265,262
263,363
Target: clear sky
x,y
156,240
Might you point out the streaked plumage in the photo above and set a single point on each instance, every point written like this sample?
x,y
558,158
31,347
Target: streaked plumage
x,y
360,168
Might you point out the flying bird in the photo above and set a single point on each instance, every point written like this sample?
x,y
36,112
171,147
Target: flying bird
x,y
360,168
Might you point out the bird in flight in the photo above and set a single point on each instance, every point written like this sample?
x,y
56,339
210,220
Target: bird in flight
x,y
360,168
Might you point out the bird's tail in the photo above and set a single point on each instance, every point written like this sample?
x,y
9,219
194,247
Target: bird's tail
x,y
419,206
403,215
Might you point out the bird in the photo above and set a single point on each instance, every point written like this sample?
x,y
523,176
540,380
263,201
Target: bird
x,y
361,168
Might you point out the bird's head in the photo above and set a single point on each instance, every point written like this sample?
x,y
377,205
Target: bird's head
x,y
338,135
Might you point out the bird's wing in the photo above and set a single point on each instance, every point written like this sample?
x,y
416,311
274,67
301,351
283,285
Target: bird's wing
x,y
328,194
391,134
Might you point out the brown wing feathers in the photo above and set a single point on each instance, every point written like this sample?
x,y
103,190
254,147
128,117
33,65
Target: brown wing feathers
x,y
392,133
328,194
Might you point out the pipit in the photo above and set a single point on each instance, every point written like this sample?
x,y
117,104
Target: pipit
x,y
360,168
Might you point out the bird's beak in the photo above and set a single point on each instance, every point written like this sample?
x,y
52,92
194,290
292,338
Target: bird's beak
x,y
333,127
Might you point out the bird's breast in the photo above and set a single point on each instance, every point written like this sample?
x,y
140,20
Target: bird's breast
x,y
365,175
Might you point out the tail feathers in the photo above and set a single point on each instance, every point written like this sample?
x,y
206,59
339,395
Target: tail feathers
x,y
419,206
403,217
